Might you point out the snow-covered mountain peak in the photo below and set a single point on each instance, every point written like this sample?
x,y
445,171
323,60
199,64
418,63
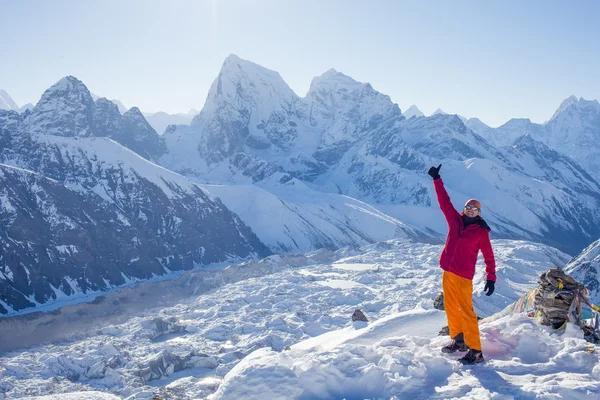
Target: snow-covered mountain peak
x,y
243,86
134,113
576,107
439,111
332,78
335,98
413,111
446,118
516,122
140,136
68,83
241,75
566,103
6,102
575,130
65,109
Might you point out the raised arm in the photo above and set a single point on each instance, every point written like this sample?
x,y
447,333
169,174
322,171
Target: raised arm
x,y
488,256
452,216
445,204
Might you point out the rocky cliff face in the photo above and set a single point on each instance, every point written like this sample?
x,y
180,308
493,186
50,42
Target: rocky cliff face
x,y
67,109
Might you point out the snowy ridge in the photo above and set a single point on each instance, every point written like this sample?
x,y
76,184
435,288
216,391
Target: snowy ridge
x,y
302,219
586,269
6,102
573,131
568,102
108,155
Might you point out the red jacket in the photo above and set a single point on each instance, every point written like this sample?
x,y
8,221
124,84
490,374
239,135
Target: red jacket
x,y
463,244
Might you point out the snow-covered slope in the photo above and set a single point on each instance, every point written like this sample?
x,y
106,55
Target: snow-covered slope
x,y
575,131
586,269
300,219
397,358
190,343
100,216
6,102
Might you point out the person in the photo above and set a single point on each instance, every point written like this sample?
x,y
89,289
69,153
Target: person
x,y
467,234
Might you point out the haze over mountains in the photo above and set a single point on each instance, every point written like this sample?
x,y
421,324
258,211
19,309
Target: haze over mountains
x,y
157,120
260,170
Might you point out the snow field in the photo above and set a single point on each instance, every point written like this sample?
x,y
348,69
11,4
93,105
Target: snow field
x,y
236,335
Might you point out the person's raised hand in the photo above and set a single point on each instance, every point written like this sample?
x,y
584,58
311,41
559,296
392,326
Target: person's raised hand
x,y
435,172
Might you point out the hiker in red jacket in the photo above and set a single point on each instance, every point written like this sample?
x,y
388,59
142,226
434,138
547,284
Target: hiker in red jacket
x,y
467,234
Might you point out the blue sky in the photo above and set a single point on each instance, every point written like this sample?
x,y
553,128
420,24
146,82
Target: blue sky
x,y
491,60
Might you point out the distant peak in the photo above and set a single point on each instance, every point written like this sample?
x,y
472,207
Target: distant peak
x,y
439,111
412,111
134,112
232,58
571,99
330,72
237,69
192,113
67,84
333,75
566,103
234,62
70,80
69,88
240,78
6,102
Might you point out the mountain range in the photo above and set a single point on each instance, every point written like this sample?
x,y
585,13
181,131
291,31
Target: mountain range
x,y
344,137
95,198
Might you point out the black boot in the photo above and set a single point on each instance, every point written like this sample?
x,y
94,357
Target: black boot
x,y
457,344
472,357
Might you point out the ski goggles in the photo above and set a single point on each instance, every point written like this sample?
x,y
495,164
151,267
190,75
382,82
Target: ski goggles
x,y
470,207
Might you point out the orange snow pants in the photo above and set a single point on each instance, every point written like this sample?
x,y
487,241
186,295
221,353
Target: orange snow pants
x,y
458,302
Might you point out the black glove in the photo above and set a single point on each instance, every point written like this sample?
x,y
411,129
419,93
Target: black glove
x,y
489,288
434,172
